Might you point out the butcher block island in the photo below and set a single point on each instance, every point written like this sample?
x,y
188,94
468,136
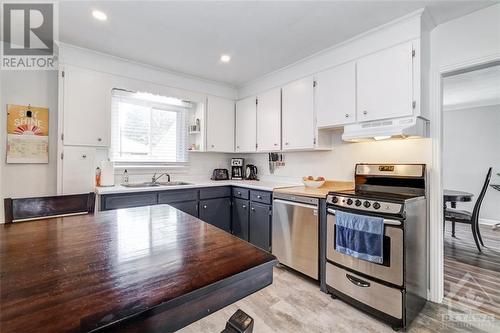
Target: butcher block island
x,y
152,268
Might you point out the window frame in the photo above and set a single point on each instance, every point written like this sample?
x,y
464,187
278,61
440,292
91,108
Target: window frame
x,y
120,95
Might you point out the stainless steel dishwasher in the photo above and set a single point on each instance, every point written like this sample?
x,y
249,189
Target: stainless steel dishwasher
x,y
295,237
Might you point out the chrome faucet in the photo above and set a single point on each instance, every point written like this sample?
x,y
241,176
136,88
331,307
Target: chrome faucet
x,y
155,179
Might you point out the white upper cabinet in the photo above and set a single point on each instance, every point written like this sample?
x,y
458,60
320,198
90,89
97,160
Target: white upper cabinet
x,y
269,120
246,125
298,115
385,83
335,96
87,107
220,124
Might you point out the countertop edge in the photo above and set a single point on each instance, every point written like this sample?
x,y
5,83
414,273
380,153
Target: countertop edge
x,y
117,189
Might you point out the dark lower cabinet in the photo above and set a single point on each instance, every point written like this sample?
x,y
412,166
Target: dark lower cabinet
x,y
249,216
240,218
216,212
189,207
127,200
260,225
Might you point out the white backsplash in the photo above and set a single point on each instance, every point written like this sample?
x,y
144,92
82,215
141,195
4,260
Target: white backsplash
x,y
200,167
339,163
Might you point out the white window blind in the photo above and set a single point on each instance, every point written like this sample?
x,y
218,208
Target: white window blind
x,y
148,129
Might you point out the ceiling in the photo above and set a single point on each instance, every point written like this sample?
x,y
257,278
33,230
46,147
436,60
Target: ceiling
x,y
472,89
260,36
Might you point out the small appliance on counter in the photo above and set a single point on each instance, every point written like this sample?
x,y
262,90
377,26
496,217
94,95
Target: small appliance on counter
x,y
220,174
251,172
237,168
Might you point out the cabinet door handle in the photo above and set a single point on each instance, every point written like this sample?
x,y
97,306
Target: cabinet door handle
x,y
204,206
99,139
238,147
365,112
212,146
244,207
252,209
275,144
286,143
84,156
347,115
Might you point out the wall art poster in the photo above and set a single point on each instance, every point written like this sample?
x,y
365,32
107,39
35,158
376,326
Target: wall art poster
x,y
27,134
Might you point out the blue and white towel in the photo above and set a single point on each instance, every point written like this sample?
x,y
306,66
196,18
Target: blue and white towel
x,y
360,236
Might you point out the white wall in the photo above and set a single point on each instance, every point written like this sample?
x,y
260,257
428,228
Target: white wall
x,y
37,88
465,41
200,167
339,163
471,37
471,145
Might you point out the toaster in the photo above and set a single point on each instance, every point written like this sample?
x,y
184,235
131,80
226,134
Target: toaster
x,y
220,174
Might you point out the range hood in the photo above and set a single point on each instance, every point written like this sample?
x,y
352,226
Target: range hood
x,y
397,128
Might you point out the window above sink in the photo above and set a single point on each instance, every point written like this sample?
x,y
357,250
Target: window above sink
x,y
148,130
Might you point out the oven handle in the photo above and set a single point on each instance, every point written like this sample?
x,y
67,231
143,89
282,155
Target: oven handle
x,y
357,282
386,221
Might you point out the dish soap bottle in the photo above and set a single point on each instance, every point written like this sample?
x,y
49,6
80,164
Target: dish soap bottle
x,y
125,177
98,177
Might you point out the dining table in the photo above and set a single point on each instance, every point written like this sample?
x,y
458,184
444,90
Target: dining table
x,y
143,269
454,196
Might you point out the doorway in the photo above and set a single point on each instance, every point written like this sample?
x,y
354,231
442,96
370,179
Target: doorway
x,y
470,147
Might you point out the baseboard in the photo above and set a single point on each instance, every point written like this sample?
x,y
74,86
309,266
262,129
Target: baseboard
x,y
489,222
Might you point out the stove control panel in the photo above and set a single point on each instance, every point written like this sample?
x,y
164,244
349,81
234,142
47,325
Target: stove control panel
x,y
365,205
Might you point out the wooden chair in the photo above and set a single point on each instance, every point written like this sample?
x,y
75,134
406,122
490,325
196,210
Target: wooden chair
x,y
462,216
28,209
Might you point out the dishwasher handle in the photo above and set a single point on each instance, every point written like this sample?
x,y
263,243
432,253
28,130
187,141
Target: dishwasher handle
x,y
292,203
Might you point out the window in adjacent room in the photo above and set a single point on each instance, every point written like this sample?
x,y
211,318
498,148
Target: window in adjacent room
x,y
148,129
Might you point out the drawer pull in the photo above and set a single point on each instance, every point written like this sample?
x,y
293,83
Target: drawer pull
x,y
239,193
357,282
259,197
244,207
253,209
204,206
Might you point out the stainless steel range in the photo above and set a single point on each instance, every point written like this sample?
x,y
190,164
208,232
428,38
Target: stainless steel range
x,y
395,290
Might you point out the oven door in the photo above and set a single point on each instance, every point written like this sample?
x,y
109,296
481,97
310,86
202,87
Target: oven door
x,y
390,271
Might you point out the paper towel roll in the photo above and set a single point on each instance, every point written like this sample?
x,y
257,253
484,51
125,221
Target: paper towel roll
x,y
107,173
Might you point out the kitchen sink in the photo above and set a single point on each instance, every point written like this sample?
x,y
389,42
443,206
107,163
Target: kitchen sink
x,y
156,184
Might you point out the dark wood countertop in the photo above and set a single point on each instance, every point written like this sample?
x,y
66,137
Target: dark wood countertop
x,y
120,269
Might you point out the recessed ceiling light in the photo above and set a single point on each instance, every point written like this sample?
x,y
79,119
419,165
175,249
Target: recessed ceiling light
x,y
98,15
225,58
